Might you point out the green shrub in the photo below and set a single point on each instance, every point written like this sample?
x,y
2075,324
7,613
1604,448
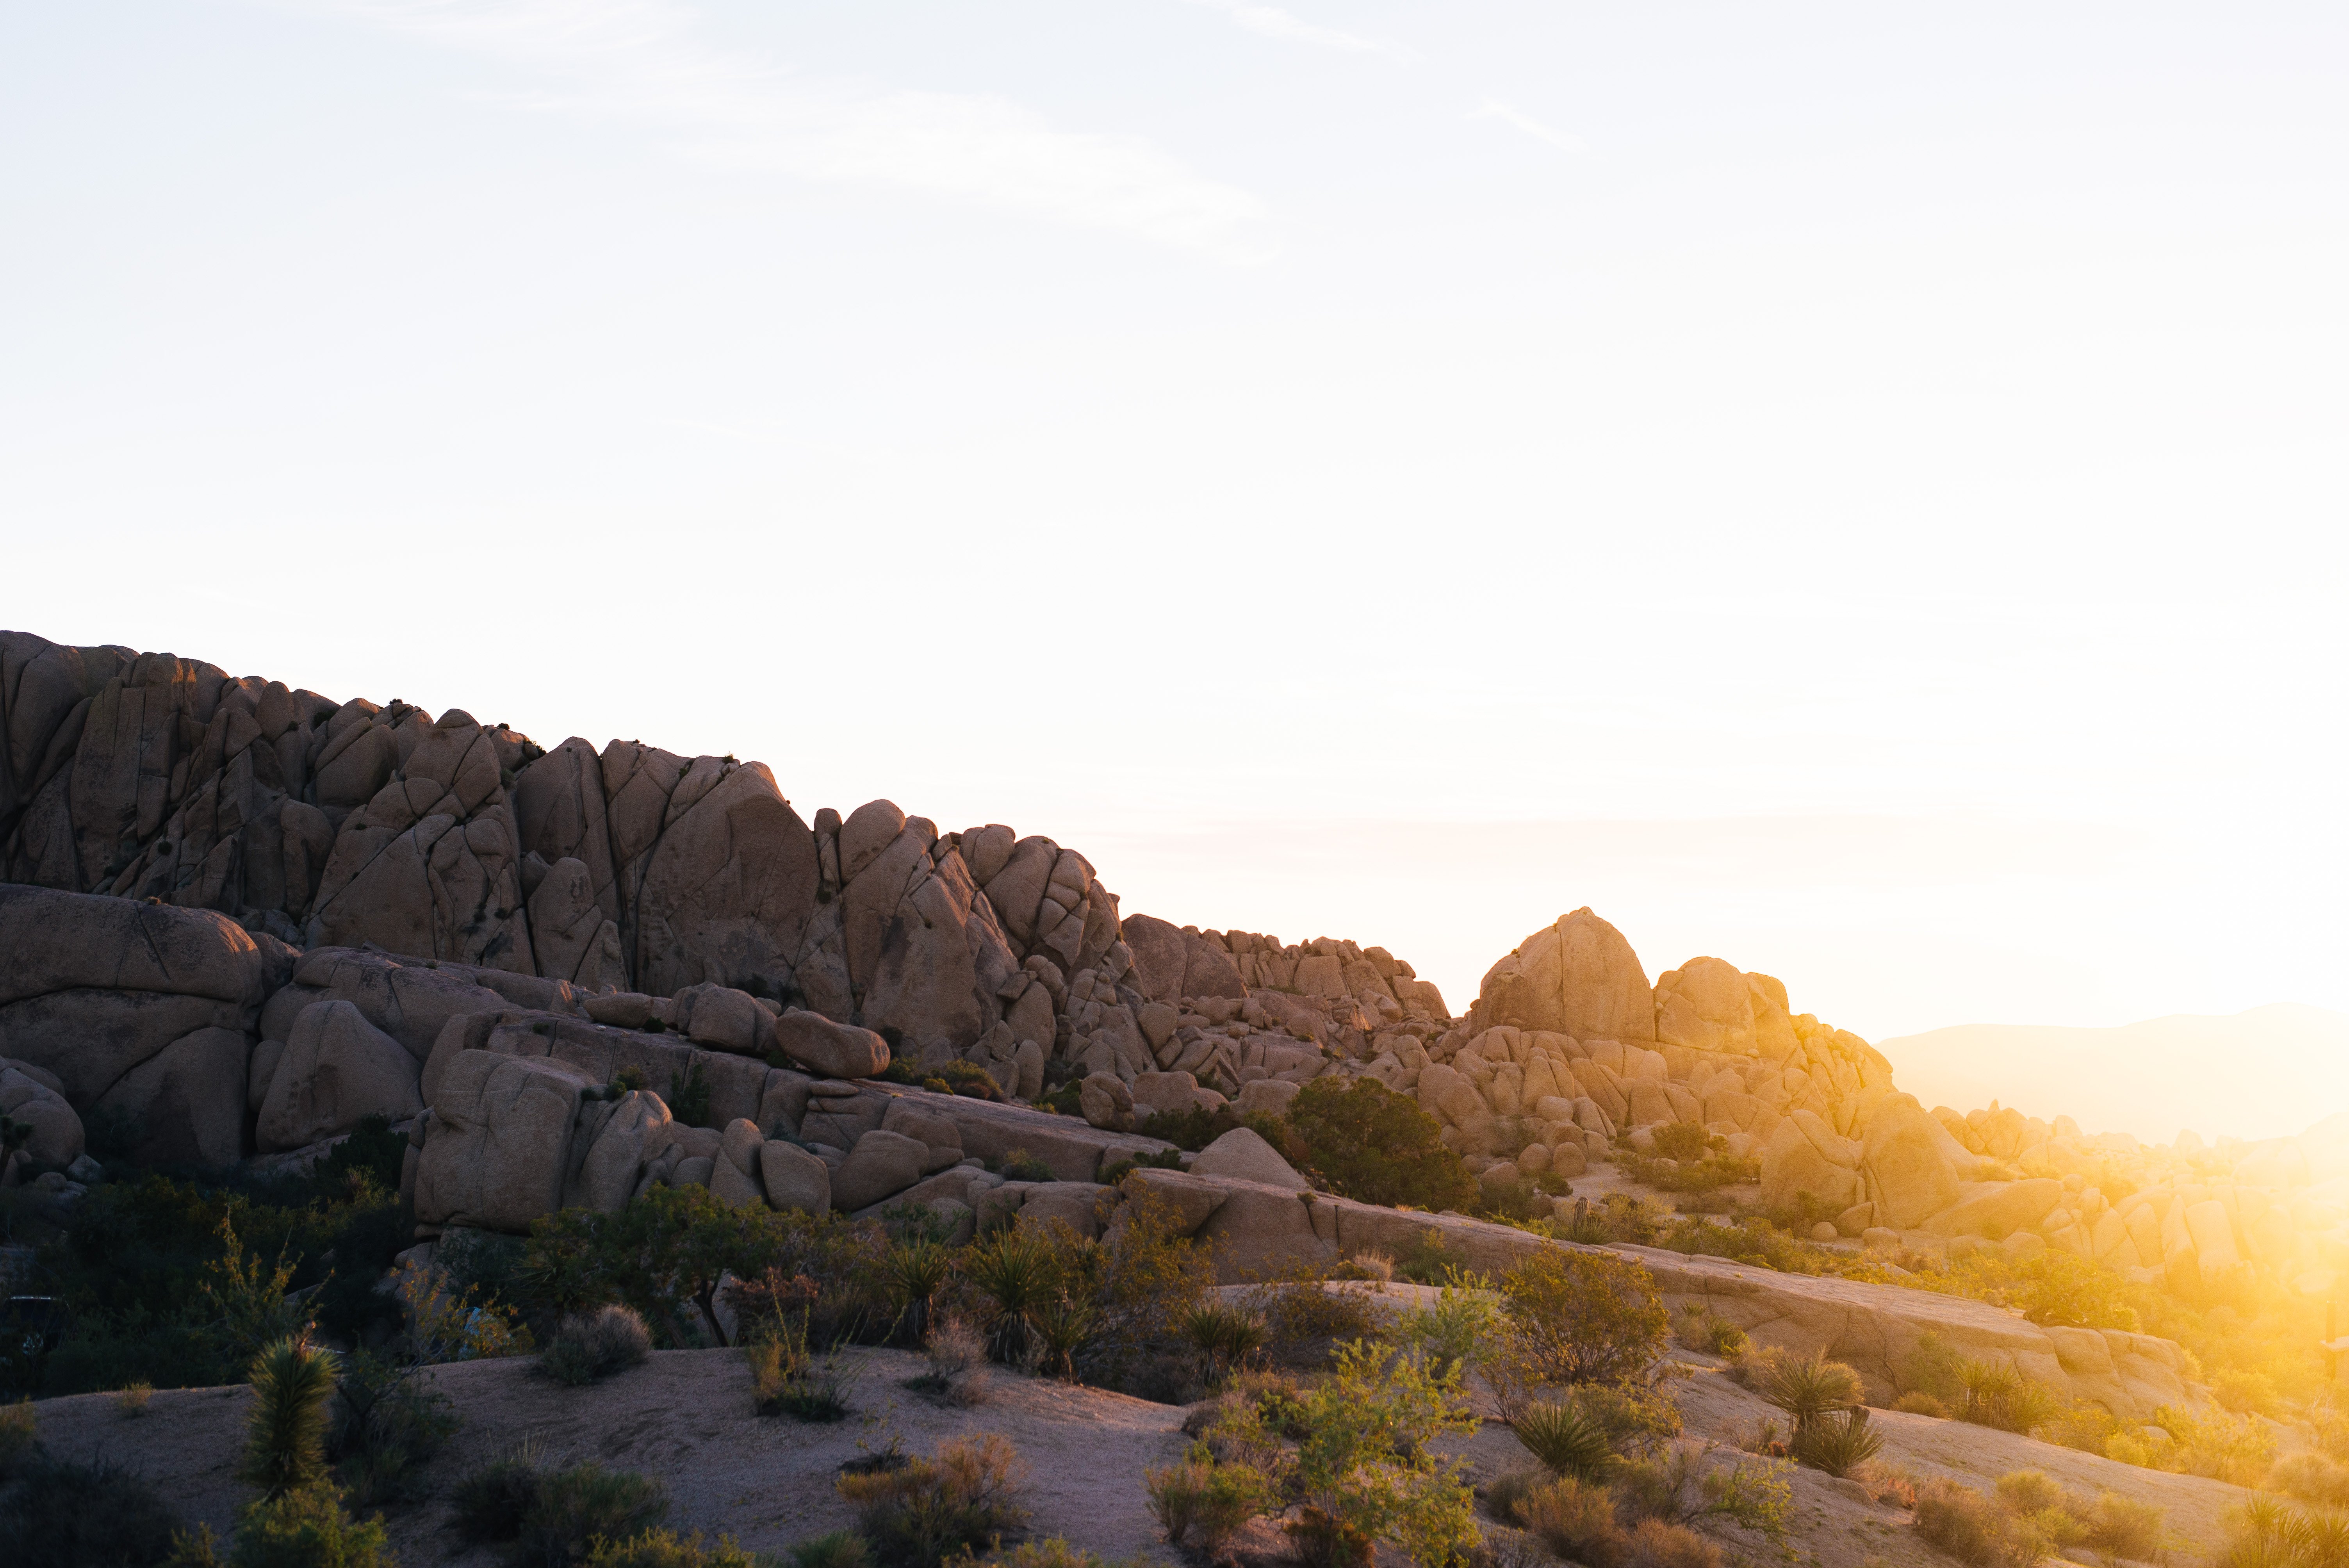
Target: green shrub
x,y
1566,1442
285,1435
385,1424
1573,1317
1018,1275
306,1528
1838,1446
1969,1527
660,1549
787,1380
1448,1330
662,1255
590,1347
98,1515
918,1514
1224,1333
493,1501
1375,1145
1202,1503
1365,1468
577,1506
837,1549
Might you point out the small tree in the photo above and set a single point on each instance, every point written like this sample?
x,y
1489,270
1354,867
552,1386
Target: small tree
x,y
661,1254
285,1435
1375,1145
1365,1468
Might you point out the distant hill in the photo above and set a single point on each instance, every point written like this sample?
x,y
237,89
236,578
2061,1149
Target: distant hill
x,y
2265,1073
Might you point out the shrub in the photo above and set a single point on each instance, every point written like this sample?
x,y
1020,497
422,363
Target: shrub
x,y
1969,1527
916,1274
1446,1332
1367,1264
835,1549
2311,1478
1224,1333
1018,1277
1365,1469
448,1322
493,1501
1805,1387
285,1435
575,1507
1063,1327
662,1255
1575,1520
957,1358
1657,1545
588,1347
1304,1323
1018,1165
384,1426
1202,1503
2215,1444
1701,1330
1375,1145
100,1515
1566,1440
306,1528
918,1514
130,1401
1917,1402
1576,1318
1838,1447
662,1549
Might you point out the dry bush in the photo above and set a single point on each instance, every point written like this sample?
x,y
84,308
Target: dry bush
x,y
958,1357
131,1401
1917,1402
1974,1530
1895,1484
1368,1265
1656,1545
1203,1504
1575,1520
2311,1478
588,1347
920,1513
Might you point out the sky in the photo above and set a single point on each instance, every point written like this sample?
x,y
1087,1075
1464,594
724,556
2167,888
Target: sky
x,y
1851,488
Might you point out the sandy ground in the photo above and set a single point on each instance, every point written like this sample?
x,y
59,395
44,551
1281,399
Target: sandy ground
x,y
686,1416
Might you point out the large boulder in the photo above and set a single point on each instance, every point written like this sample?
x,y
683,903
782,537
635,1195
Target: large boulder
x,y
1805,1155
188,1101
497,1146
1910,1176
1997,1210
830,1049
611,1152
91,987
880,1165
1242,1155
1577,977
337,1068
794,1178
724,1019
31,1097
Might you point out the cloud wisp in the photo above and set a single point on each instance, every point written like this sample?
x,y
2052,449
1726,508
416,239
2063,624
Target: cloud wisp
x,y
640,60
1518,120
1272,21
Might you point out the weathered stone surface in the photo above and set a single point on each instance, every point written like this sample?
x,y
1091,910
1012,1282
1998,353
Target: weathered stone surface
x,y
1242,1155
1265,1097
188,1100
32,1097
612,1164
735,1179
881,1164
91,987
1805,1155
725,1019
337,1068
1907,1169
1577,977
1259,1231
1997,1209
497,1146
1080,1205
830,1049
795,1179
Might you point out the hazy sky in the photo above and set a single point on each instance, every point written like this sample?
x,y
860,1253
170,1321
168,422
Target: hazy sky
x,y
1853,488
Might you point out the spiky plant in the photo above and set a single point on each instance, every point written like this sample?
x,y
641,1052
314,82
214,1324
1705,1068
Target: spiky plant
x,y
1567,1440
1838,1447
1019,1278
1810,1388
285,1435
1224,1334
916,1274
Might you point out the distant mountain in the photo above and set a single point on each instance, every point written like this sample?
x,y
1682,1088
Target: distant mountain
x,y
2265,1073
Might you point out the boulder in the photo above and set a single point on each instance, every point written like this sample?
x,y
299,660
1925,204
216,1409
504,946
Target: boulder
x,y
497,1145
830,1049
337,1068
1267,1097
1805,1155
1911,1176
735,1179
1259,1232
1080,1205
1577,977
939,1133
1997,1209
880,1165
188,1101
724,1019
30,1097
795,1179
1241,1155
1106,1102
1167,1092
611,1166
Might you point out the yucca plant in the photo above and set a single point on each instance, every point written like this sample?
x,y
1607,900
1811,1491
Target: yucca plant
x,y
1062,1328
285,1435
1019,1278
916,1274
1567,1440
1810,1388
1838,1446
1223,1334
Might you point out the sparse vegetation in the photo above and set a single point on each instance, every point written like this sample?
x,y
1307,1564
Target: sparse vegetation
x,y
918,1514
589,1346
56,1514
